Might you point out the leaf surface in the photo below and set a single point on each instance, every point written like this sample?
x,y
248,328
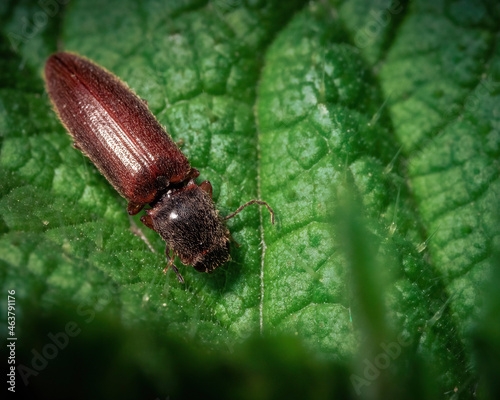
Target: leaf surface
x,y
371,128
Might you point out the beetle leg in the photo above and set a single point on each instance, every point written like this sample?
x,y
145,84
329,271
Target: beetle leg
x,y
231,238
193,174
206,186
170,263
134,208
138,232
169,259
148,221
179,276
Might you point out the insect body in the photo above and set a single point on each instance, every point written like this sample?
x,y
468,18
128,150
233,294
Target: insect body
x,y
112,126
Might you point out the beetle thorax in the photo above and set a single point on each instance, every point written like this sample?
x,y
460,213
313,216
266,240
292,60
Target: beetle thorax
x,y
190,225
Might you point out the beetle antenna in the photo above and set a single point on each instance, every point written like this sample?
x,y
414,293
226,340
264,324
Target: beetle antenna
x,y
262,203
170,263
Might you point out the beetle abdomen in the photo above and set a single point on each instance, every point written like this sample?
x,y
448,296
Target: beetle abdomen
x,y
114,128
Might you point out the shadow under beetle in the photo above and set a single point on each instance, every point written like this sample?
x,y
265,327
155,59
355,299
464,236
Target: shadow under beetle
x,y
112,126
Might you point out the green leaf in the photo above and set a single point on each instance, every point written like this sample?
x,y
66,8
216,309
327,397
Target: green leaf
x,y
197,66
316,96
445,113
371,128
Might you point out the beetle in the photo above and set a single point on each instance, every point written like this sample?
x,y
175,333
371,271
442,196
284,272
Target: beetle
x,y
113,127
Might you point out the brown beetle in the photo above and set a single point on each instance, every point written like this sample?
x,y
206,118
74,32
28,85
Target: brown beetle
x,y
112,126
